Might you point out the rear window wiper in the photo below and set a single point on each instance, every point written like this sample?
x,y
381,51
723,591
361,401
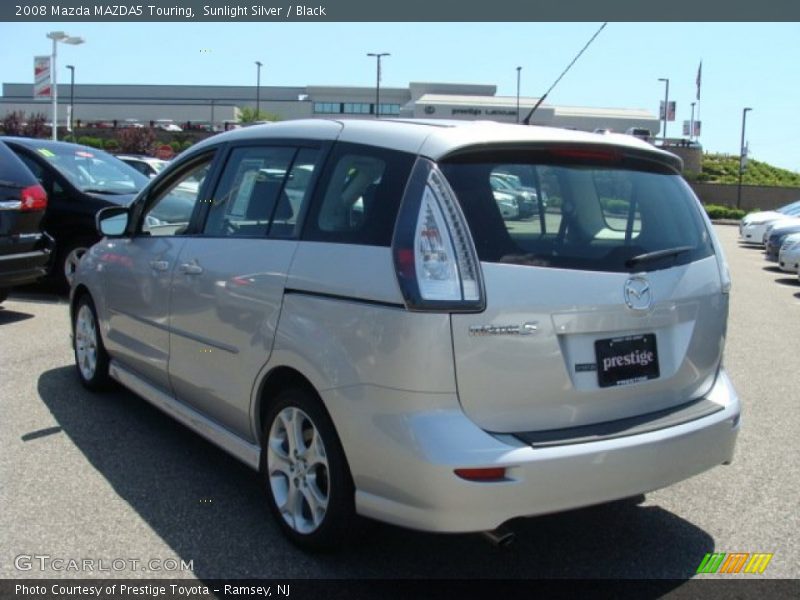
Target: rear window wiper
x,y
657,254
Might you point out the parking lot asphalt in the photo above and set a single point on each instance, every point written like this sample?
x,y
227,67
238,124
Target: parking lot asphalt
x,y
109,477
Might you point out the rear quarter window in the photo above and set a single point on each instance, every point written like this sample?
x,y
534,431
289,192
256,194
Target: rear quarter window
x,y
359,195
582,213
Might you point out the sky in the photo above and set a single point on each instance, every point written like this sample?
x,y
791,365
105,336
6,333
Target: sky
x,y
744,64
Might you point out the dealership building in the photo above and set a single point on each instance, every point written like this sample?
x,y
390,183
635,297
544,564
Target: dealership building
x,y
220,105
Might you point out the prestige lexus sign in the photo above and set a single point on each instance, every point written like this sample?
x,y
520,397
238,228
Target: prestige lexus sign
x,y
475,112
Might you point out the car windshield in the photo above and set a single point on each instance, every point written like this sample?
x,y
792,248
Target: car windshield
x,y
93,170
789,208
617,215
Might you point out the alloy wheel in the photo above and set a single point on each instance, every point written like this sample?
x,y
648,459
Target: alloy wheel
x,y
298,471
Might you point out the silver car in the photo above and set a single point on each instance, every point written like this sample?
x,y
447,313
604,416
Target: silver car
x,y
343,307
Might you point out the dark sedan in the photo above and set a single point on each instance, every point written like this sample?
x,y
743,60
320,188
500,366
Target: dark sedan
x,y
79,181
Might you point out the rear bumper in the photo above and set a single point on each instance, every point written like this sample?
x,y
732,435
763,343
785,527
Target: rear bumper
x,y
418,488
22,267
752,234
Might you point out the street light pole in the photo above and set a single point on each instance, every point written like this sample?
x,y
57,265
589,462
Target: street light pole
x,y
741,158
666,109
58,36
518,75
71,95
258,89
378,56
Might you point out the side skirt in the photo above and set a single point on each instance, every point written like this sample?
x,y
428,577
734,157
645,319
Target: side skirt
x,y
246,452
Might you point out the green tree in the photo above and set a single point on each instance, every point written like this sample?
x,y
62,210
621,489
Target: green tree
x,y
249,115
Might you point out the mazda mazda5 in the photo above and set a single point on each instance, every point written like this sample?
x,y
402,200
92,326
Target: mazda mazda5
x,y
342,306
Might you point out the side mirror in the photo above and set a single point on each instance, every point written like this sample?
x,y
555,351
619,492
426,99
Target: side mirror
x,y
112,221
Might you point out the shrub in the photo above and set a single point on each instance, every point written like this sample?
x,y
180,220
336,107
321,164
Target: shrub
x,y
94,142
35,127
615,206
176,147
12,123
111,145
716,211
136,140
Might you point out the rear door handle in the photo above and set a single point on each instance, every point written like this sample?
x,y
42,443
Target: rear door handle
x,y
159,265
191,268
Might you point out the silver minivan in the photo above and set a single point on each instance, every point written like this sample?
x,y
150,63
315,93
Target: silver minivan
x,y
342,306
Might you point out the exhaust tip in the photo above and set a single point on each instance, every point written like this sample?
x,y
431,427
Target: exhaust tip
x,y
500,537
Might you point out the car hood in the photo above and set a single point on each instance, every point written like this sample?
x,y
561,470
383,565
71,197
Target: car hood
x,y
762,215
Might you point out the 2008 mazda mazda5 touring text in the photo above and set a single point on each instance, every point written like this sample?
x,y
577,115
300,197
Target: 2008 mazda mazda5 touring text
x,y
342,306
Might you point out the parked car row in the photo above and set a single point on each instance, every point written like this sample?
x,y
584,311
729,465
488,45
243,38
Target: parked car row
x,y
51,192
778,232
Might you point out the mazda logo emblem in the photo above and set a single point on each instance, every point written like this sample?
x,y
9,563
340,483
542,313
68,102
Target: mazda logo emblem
x,y
637,294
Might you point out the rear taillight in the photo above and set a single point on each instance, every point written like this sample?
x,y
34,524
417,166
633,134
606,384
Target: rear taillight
x,y
33,198
435,260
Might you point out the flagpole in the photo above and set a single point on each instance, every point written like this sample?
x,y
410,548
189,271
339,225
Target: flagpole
x,y
699,82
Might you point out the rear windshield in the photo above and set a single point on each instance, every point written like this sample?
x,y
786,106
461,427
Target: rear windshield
x,y
617,214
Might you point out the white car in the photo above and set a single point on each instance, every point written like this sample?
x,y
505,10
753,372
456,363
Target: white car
x,y
789,255
146,165
755,231
753,226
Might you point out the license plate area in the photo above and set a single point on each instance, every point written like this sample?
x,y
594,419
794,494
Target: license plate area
x,y
626,360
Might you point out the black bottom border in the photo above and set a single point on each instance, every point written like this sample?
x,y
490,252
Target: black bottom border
x,y
302,589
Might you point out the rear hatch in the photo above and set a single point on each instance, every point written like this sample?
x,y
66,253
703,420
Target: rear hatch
x,y
605,304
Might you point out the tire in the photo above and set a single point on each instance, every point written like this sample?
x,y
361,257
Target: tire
x,y
91,358
67,261
309,488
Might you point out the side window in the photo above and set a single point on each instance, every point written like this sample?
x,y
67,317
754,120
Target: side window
x,y
362,188
172,209
297,190
351,193
251,193
50,184
35,167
